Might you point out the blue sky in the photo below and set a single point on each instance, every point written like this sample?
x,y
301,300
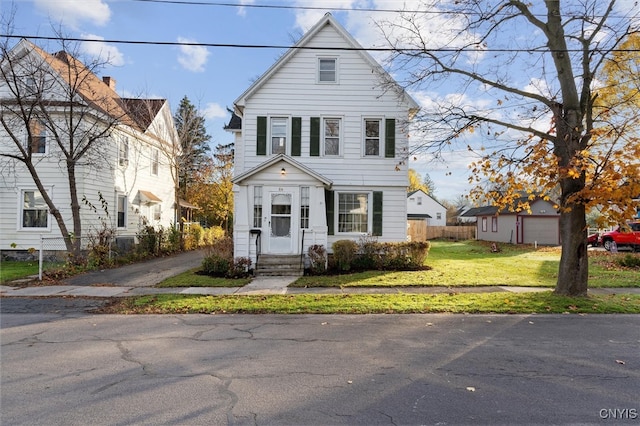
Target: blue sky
x,y
213,77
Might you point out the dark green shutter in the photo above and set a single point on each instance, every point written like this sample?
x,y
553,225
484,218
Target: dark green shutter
x,y
329,204
296,136
315,137
377,213
261,147
390,138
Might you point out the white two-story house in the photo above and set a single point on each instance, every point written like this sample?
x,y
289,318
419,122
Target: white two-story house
x,y
321,146
52,103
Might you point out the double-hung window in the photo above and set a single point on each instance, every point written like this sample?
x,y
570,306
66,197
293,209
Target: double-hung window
x,y
123,152
38,137
155,161
331,136
122,211
279,135
34,211
304,207
353,212
372,137
327,70
257,207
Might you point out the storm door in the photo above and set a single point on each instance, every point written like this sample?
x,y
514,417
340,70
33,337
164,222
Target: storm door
x,y
280,220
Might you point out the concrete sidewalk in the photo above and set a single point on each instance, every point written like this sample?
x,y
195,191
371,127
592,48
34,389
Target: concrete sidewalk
x,y
263,285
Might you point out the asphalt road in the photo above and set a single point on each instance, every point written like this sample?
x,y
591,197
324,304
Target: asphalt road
x,y
66,366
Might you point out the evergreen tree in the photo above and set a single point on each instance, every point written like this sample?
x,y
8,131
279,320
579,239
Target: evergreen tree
x,y
194,141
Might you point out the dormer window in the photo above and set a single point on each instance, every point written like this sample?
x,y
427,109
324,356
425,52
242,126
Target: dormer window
x,y
327,70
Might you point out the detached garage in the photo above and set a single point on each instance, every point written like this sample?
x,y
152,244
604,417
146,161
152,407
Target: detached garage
x,y
541,227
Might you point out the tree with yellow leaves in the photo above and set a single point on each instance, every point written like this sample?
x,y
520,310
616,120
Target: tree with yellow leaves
x,y
519,80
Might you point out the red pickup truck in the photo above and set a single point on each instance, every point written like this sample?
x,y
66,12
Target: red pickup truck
x,y
627,235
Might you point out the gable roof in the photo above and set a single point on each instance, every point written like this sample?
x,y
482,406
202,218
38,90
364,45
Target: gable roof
x,y
327,19
409,194
285,158
96,92
493,210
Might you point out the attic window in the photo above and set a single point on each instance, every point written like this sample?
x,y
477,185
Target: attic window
x,y
327,70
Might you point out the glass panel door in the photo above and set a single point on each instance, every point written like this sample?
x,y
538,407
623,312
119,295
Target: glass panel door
x,y
280,223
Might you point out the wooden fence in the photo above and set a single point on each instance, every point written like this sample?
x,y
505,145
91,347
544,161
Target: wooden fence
x,y
419,231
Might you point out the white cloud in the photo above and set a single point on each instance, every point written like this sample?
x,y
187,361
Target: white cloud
x,y
242,11
192,58
103,51
213,111
72,12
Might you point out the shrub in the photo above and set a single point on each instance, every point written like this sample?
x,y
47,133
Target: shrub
x,y
344,253
216,266
369,253
147,241
172,240
629,261
240,268
317,259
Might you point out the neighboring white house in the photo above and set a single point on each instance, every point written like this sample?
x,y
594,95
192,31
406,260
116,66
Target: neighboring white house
x,y
421,206
319,149
541,226
130,167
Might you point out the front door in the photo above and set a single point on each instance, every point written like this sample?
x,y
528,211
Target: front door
x,y
280,220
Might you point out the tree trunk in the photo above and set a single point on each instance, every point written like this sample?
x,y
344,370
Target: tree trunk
x,y
75,209
573,271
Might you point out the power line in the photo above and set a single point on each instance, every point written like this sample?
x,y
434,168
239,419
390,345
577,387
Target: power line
x,y
276,46
326,8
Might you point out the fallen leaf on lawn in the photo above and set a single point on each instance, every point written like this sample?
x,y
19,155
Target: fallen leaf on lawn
x,y
471,389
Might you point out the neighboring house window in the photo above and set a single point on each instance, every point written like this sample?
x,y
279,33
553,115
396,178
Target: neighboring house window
x,y
420,203
494,224
257,207
327,70
331,136
372,137
278,135
304,207
38,138
155,161
34,210
353,212
123,152
31,86
439,216
156,211
484,224
122,211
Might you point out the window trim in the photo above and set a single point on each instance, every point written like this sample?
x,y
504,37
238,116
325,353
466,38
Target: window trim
x,y
155,161
120,196
324,136
257,207
369,213
305,207
21,210
494,224
321,59
287,134
381,136
44,134
123,151
484,223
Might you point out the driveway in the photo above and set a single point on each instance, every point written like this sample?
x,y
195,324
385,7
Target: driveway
x,y
141,274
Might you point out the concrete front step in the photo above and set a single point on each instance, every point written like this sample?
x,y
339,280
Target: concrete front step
x,y
279,265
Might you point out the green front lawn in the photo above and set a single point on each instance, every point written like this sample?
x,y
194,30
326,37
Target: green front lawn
x,y
193,278
13,270
471,263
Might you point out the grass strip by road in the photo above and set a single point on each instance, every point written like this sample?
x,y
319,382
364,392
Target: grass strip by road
x,y
544,302
194,278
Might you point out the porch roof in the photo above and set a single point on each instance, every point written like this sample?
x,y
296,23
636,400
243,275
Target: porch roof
x,y
286,159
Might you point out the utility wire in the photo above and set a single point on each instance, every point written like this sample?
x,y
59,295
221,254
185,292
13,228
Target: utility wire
x,y
275,46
